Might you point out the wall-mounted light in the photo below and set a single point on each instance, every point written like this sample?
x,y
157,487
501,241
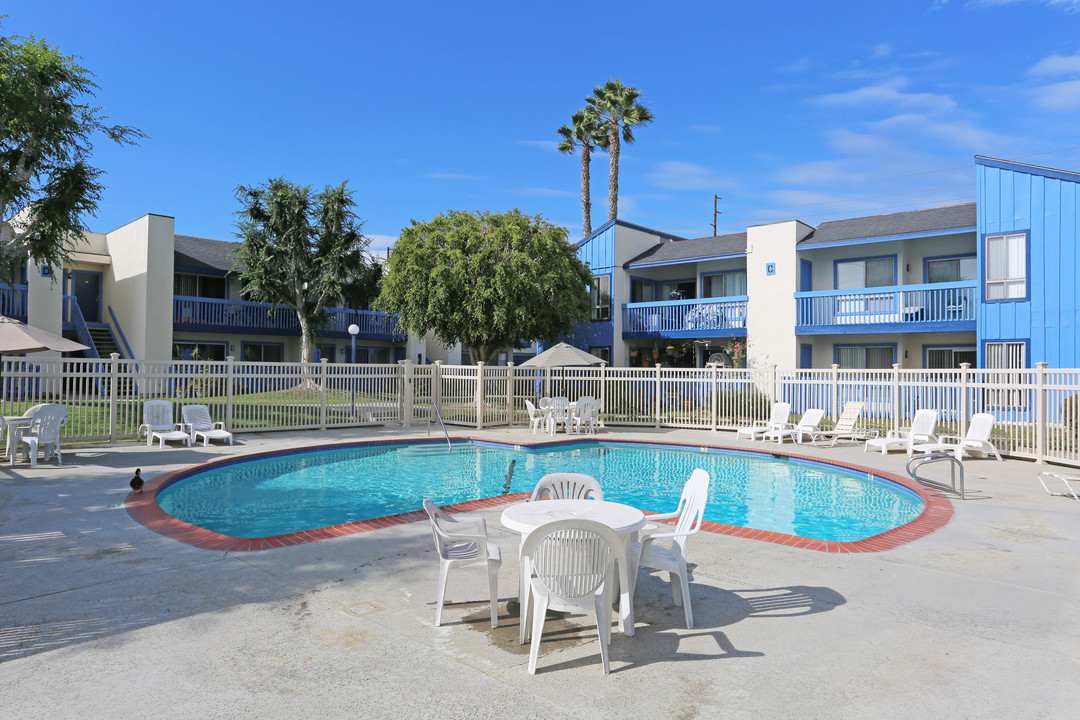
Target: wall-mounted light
x,y
907,268
232,347
905,354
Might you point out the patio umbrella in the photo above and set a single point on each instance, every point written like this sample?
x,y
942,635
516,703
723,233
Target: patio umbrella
x,y
18,337
561,355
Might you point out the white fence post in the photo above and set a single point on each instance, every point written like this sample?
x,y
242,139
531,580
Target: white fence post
x,y
658,393
714,392
964,368
835,391
896,396
229,379
1040,412
775,385
436,385
480,395
603,392
510,393
408,398
114,377
322,393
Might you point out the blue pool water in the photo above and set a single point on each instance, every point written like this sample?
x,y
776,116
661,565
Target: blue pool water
x,y
305,490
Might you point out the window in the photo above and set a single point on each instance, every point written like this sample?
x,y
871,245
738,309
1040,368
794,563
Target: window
x,y
952,269
198,351
604,353
950,358
1006,266
262,352
325,351
723,285
204,286
872,357
875,272
642,290
1006,356
601,297
678,290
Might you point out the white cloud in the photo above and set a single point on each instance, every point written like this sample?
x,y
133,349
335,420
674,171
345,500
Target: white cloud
x,y
799,66
452,176
1059,96
686,176
380,244
545,192
708,129
882,50
1070,6
955,133
889,93
1054,65
552,145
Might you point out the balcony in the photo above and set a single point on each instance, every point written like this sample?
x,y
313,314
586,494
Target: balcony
x,y
939,307
241,316
13,301
705,318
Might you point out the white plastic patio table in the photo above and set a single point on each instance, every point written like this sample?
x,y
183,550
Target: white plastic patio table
x,y
624,520
11,424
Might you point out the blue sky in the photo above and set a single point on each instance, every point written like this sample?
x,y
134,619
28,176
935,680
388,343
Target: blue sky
x,y
815,111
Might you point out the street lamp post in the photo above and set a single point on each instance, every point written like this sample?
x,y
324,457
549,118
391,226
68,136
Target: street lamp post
x,y
353,330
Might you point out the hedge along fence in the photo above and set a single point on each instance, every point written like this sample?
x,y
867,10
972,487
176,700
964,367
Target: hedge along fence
x,y
1037,409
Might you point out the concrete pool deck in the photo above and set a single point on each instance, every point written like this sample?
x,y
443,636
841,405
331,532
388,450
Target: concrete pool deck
x,y
101,617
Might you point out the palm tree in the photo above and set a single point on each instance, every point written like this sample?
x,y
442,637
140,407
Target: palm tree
x,y
584,133
619,111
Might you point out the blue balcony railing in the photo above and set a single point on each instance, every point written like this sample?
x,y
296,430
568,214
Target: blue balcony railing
x,y
902,308
707,317
13,301
243,316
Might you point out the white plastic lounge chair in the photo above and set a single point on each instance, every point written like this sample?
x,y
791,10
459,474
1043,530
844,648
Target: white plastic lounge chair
x,y
1068,480
585,413
847,426
572,567
976,440
807,425
921,431
43,432
567,486
691,508
559,414
535,417
197,418
778,418
464,542
158,423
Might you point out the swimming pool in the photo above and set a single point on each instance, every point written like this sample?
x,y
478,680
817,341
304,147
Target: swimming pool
x,y
297,491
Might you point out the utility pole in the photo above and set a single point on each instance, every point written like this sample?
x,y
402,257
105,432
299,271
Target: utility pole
x,y
715,212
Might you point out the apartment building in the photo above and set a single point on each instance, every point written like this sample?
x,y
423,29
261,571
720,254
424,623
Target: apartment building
x,y
989,283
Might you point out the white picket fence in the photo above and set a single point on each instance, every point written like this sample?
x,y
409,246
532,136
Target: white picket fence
x,y
1037,410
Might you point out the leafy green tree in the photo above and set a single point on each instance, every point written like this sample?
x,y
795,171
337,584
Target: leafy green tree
x,y
47,185
618,112
583,134
299,249
486,279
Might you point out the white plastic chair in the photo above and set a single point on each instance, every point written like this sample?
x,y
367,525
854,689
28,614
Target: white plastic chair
x,y
197,418
847,426
689,512
567,486
15,429
535,417
807,425
559,414
463,542
1068,480
43,432
778,418
158,423
921,431
585,413
976,440
571,566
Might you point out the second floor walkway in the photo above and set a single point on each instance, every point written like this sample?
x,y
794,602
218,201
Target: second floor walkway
x,y
241,316
936,307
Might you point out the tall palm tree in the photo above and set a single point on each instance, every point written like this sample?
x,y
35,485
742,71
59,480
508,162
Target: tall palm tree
x,y
619,112
584,132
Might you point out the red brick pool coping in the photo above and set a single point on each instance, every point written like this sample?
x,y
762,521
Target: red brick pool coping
x,y
143,507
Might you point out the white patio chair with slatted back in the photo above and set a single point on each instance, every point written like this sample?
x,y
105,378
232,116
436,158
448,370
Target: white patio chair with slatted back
x,y
921,431
197,418
558,414
778,418
535,416
43,432
585,412
688,516
571,567
567,486
807,425
463,542
977,440
158,423
846,427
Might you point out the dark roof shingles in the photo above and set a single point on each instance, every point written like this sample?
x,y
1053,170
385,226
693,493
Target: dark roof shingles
x,y
690,249
903,223
203,254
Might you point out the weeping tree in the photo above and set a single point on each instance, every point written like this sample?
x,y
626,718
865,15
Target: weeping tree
x,y
299,250
584,134
47,129
488,280
618,113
